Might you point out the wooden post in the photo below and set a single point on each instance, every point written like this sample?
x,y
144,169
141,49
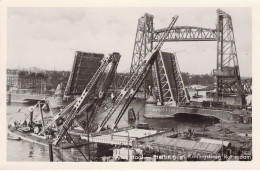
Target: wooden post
x,y
50,152
31,117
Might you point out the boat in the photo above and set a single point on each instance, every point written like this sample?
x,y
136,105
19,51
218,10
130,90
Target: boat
x,y
12,137
24,129
143,126
197,95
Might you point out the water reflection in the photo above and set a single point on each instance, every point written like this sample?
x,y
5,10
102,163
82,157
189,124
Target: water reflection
x,y
31,150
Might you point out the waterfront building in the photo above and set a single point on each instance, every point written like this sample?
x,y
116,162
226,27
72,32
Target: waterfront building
x,y
181,147
12,77
17,79
35,81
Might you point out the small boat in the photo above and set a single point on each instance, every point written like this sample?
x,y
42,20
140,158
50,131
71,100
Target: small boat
x,y
24,129
143,126
197,95
11,137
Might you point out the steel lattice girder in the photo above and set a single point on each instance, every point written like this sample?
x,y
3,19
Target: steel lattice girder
x,y
228,87
186,33
164,79
121,80
181,93
247,86
170,86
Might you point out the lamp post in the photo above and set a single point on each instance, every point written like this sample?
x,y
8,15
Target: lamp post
x,y
128,139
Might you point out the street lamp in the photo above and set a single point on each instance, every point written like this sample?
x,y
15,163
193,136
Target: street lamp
x,y
128,139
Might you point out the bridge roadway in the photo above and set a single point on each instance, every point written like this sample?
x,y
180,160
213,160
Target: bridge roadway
x,y
153,111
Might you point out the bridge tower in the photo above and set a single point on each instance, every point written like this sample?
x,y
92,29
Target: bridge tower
x,y
165,75
142,43
142,46
227,72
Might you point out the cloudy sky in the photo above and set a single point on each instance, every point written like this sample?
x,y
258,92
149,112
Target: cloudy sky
x,y
48,37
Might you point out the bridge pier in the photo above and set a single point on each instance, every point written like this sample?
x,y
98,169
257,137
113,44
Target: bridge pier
x,y
231,99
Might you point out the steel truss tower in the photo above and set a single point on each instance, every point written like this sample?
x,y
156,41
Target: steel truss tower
x,y
142,41
227,72
166,87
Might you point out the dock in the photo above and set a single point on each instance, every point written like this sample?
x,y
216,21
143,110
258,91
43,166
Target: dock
x,y
33,138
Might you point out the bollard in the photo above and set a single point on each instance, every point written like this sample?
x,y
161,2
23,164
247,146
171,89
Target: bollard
x,y
50,152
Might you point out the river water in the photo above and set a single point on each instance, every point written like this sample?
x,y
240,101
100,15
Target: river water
x,y
27,151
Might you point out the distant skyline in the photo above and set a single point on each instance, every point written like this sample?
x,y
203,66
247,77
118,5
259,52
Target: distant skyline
x,y
48,37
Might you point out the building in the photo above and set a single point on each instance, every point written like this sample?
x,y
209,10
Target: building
x,y
186,148
226,144
127,154
26,80
12,78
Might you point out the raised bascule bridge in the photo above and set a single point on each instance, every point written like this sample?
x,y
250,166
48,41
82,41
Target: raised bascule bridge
x,y
94,110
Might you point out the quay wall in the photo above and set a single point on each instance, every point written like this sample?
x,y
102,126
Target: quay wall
x,y
13,97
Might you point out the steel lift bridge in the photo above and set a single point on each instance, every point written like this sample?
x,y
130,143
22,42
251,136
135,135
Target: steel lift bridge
x,y
97,118
227,71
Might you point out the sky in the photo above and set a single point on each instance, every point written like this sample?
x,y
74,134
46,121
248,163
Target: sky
x,y
48,37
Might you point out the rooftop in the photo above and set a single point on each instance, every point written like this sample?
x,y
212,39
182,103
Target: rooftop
x,y
188,144
121,137
213,141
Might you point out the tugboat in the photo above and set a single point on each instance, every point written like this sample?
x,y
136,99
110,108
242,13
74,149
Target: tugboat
x,y
197,95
